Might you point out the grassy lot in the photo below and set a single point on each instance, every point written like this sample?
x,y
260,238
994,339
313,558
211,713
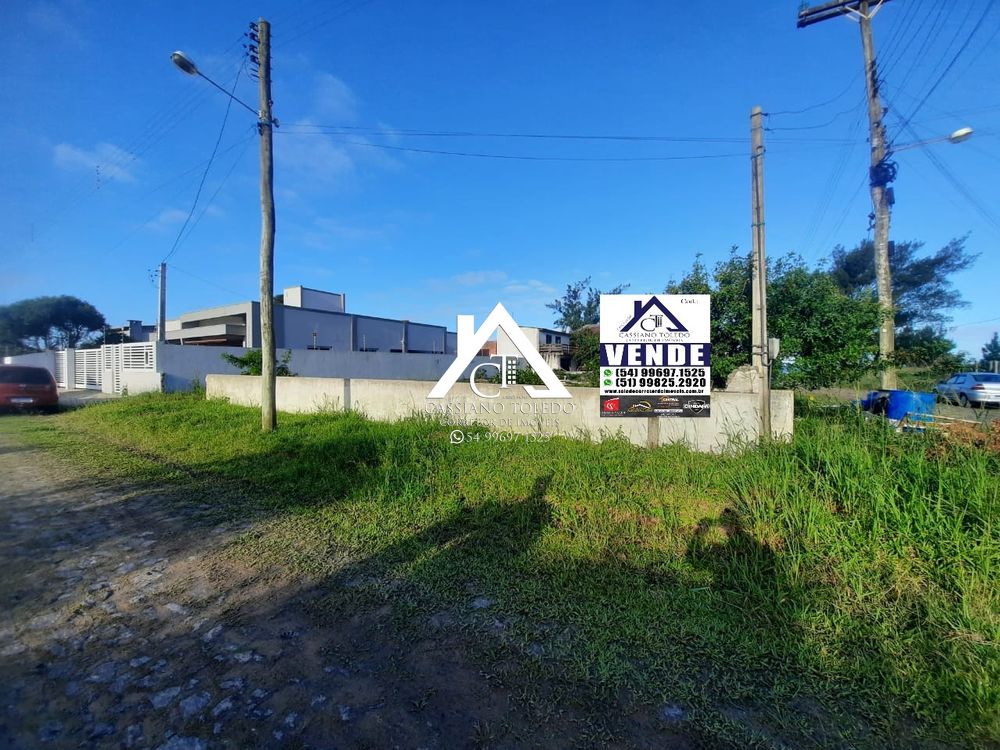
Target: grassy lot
x,y
841,589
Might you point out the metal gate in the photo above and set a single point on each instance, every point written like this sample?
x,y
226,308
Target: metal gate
x,y
88,369
60,366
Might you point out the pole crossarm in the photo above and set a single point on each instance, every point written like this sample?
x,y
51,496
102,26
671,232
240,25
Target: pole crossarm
x,y
818,13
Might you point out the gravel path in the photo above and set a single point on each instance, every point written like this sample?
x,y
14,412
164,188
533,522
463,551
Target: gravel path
x,y
123,624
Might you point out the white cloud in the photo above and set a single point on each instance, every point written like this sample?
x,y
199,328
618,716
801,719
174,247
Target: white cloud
x,y
478,278
531,286
168,218
334,100
343,231
106,160
54,23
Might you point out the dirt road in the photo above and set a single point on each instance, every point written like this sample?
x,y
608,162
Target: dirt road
x,y
124,623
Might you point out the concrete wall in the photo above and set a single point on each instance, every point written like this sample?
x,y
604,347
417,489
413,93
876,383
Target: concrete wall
x,y
734,415
46,359
182,365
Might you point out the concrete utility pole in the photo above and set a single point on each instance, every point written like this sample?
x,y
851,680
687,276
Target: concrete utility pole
x,y
161,314
881,172
761,359
268,413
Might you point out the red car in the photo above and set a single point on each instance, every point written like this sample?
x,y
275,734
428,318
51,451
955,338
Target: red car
x,y
24,387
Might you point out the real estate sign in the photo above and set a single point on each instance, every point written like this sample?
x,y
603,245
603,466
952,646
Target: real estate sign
x,y
655,355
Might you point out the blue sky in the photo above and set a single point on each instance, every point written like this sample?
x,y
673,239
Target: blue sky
x,y
105,144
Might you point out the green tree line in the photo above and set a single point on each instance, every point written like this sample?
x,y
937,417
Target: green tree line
x,y
826,317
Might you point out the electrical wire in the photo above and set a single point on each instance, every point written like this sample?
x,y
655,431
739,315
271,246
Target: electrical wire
x,y
175,267
312,25
218,189
211,159
889,57
818,126
317,129
922,53
948,67
819,105
521,157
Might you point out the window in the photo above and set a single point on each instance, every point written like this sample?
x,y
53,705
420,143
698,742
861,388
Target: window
x,y
558,339
548,338
987,378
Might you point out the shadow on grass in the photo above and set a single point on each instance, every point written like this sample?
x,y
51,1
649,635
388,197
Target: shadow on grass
x,y
482,547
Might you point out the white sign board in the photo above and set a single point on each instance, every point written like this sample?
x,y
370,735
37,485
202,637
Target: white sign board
x,y
655,355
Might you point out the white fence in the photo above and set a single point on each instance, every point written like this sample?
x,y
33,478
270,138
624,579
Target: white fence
x,y
155,366
61,369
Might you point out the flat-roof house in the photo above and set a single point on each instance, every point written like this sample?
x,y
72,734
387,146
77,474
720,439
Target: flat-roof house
x,y
308,319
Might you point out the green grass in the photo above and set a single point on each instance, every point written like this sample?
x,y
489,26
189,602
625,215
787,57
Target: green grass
x,y
853,570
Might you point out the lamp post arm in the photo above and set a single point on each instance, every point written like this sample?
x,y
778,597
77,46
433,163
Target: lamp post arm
x,y
231,96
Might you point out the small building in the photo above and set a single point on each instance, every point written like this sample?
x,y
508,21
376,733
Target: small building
x,y
133,331
553,345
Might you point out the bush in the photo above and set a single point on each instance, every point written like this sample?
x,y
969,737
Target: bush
x,y
251,363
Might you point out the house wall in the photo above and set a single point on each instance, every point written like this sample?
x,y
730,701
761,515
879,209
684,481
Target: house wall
x,y
376,333
734,416
46,359
421,337
300,296
295,327
181,366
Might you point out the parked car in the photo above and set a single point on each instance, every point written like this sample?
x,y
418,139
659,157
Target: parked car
x,y
24,387
965,388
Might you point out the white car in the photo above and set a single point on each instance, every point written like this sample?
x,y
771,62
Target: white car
x,y
975,388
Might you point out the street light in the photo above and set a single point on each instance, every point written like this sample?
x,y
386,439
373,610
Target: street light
x,y
962,134
261,33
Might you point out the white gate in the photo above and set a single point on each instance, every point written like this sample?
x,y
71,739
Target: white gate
x,y
119,358
88,369
60,373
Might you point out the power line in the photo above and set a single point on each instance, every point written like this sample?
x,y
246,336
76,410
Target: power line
x,y
948,67
312,24
318,129
211,159
818,126
818,105
899,33
920,56
521,157
973,323
175,267
225,177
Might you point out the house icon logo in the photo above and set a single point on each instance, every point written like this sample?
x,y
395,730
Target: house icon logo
x,y
471,341
653,316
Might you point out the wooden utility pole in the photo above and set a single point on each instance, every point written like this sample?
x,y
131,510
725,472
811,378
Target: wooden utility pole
x,y
268,413
161,312
881,171
760,356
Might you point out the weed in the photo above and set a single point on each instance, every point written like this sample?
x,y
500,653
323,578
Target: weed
x,y
852,569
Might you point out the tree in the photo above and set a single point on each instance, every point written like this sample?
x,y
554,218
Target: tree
x,y
586,347
581,305
48,322
729,285
251,363
922,292
991,352
826,336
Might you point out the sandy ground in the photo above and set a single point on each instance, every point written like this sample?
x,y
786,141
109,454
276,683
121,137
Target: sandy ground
x,y
124,624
